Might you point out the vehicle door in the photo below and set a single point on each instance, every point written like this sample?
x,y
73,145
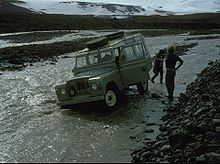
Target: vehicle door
x,y
133,65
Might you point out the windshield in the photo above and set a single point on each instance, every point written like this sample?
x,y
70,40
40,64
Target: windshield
x,y
93,59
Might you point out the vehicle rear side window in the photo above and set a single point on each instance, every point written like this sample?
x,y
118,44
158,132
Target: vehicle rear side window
x,y
129,53
138,50
145,50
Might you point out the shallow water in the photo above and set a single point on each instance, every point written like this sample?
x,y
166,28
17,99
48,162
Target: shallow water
x,y
34,129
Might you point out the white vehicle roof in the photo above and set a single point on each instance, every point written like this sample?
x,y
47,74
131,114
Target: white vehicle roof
x,y
116,43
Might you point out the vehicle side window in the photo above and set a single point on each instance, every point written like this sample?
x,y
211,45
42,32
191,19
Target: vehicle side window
x,y
106,56
145,50
138,50
116,51
92,59
81,62
129,53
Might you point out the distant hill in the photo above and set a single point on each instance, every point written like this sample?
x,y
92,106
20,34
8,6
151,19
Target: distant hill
x,y
120,7
7,6
79,8
82,8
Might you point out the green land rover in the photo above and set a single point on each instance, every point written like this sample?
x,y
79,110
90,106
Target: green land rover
x,y
105,69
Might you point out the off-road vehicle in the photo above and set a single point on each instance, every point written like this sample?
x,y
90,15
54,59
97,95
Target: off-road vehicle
x,y
106,68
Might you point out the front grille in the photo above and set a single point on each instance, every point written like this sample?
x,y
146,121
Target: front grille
x,y
81,87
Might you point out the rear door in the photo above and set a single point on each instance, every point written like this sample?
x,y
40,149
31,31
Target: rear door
x,y
133,64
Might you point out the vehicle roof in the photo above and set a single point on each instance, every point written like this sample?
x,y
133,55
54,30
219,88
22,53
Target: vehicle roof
x,y
115,43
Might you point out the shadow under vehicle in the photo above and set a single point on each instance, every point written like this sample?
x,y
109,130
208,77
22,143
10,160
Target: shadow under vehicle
x,y
106,69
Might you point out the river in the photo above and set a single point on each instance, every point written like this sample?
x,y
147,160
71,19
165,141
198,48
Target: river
x,y
34,129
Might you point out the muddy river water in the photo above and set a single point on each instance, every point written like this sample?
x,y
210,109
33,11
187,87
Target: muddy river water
x,y
34,129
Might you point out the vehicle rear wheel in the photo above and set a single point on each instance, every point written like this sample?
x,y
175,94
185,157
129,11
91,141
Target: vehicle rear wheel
x,y
142,87
112,97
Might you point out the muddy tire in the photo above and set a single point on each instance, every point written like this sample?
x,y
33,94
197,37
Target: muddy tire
x,y
142,87
112,97
97,43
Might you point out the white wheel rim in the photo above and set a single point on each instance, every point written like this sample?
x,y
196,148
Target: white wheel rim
x,y
110,98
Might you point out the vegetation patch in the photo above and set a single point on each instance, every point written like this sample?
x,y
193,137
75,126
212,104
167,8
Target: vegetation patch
x,y
14,58
158,32
203,38
34,37
182,49
44,22
204,31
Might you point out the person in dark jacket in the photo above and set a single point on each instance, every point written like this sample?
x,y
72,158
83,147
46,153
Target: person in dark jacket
x,y
171,61
158,65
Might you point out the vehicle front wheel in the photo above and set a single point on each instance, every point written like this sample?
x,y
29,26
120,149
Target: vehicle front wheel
x,y
112,97
142,87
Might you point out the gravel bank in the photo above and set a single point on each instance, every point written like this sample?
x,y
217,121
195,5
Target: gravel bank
x,y
191,127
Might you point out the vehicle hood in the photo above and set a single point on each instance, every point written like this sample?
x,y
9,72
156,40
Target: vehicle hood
x,y
94,73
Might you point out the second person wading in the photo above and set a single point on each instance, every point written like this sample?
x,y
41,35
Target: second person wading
x,y
171,61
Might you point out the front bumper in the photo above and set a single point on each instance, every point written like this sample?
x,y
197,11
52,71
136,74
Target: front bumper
x,y
80,100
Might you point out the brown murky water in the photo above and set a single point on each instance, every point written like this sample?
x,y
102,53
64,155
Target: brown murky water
x,y
34,129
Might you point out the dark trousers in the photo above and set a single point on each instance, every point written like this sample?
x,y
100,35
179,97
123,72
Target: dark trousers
x,y
170,77
156,73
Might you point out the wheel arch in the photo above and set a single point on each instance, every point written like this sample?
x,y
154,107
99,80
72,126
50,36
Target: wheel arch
x,y
111,84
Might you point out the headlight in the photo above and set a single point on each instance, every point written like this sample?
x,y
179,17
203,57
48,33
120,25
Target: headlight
x,y
94,86
72,92
63,92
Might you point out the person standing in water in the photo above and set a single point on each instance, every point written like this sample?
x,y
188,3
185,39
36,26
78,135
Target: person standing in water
x,y
158,65
171,69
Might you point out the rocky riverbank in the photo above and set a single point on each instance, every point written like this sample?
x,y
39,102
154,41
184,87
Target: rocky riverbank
x,y
191,128
17,58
